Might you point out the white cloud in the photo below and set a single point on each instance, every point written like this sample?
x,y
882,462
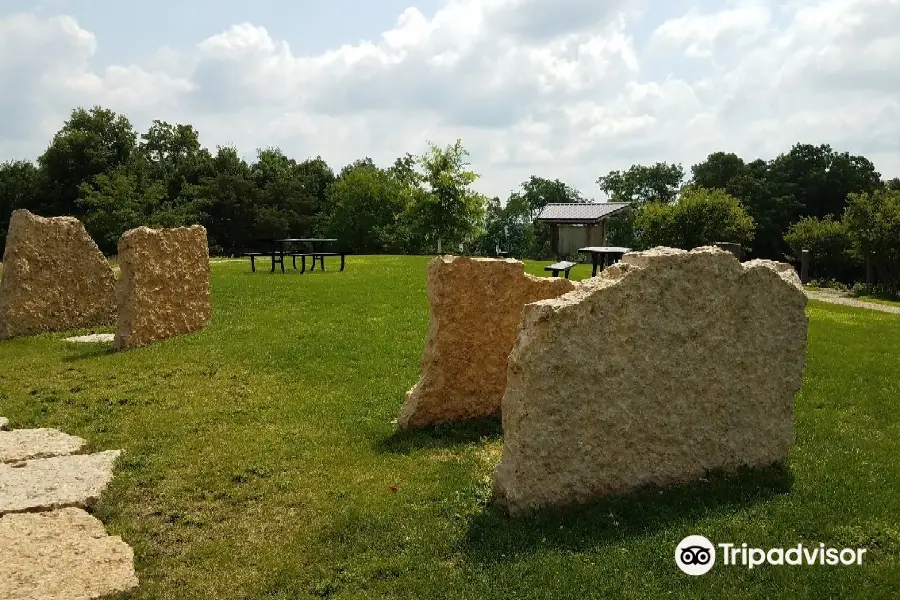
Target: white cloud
x,y
558,89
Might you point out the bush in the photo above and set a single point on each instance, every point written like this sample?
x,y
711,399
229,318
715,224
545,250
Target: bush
x,y
700,217
828,244
873,225
829,284
874,290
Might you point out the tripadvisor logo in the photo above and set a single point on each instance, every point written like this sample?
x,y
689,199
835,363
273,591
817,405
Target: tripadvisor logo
x,y
696,555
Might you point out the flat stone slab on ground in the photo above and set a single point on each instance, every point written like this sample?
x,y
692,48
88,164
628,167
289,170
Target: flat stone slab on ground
x,y
62,555
48,483
24,444
94,338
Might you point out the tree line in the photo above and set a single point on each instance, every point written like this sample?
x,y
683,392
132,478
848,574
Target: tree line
x,y
99,169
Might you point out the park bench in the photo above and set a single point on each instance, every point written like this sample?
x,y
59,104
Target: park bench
x,y
320,256
562,265
253,256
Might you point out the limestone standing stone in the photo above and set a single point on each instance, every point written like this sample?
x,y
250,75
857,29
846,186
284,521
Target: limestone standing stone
x,y
4,422
24,444
669,365
48,483
163,288
62,555
54,277
476,306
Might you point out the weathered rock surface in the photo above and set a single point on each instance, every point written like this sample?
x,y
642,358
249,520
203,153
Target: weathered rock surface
x,y
48,483
786,271
163,288
94,338
62,555
24,444
54,277
476,307
4,422
668,365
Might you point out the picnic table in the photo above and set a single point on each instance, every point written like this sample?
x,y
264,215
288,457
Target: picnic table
x,y
603,256
283,247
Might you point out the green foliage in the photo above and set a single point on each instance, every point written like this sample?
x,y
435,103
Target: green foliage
x,y
875,290
20,187
828,243
365,208
641,184
115,203
92,142
873,224
700,217
451,209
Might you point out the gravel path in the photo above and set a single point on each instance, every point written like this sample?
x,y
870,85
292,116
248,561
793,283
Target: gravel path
x,y
836,297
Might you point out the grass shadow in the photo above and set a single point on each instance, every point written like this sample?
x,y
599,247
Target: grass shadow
x,y
89,351
448,435
495,537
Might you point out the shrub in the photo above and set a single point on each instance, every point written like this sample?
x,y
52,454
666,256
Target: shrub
x,y
700,217
828,244
873,225
874,290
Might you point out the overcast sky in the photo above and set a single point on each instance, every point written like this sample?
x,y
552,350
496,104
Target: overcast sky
x,y
565,89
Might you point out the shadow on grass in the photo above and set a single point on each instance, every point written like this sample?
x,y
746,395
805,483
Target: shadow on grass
x,y
89,351
495,537
450,435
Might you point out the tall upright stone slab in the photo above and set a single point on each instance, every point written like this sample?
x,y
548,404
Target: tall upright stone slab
x,y
54,277
668,365
476,306
163,288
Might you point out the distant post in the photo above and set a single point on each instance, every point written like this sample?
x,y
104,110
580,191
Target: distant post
x,y
804,266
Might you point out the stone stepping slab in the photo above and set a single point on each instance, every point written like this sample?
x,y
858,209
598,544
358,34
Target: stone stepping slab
x,y
24,444
94,338
61,481
62,555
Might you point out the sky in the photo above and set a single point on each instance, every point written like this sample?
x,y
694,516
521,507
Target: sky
x,y
567,89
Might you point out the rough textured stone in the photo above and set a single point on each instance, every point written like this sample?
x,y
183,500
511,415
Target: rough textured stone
x,y
54,277
163,288
668,365
48,483
94,338
62,555
785,270
4,422
24,444
476,307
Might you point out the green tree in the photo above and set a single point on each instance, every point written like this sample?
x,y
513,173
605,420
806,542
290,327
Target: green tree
x,y
450,211
365,208
640,184
20,187
718,171
116,202
700,217
228,201
820,178
873,224
90,143
828,243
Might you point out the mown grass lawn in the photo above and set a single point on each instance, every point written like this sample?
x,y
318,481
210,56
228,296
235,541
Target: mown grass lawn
x,y
261,462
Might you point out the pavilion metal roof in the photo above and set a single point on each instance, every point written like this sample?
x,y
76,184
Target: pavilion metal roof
x,y
591,212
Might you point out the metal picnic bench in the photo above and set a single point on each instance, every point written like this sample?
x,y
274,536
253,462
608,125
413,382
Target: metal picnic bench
x,y
281,248
603,255
562,265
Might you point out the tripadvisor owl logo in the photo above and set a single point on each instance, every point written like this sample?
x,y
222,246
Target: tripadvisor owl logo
x,y
695,555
